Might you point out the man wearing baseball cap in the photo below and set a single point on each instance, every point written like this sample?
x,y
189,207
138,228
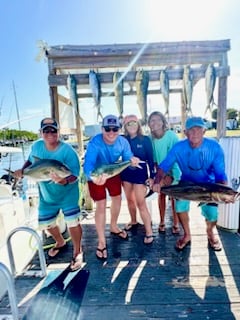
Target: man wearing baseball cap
x,y
106,148
200,159
63,194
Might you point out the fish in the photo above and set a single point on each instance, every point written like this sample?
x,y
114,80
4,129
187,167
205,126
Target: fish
x,y
187,89
204,192
95,86
41,169
142,81
118,92
73,95
210,82
111,170
164,85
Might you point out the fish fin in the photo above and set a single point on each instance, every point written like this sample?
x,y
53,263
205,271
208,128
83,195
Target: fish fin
x,y
149,193
9,171
36,158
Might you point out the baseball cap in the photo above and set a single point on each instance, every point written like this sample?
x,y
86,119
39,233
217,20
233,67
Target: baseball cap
x,y
111,121
194,122
49,122
130,118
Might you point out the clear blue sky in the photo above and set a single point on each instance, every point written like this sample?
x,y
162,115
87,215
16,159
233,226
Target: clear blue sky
x,y
24,22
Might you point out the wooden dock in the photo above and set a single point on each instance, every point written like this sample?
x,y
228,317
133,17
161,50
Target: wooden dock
x,y
145,281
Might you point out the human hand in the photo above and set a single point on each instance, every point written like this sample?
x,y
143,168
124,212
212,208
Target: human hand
x,y
100,180
18,174
56,178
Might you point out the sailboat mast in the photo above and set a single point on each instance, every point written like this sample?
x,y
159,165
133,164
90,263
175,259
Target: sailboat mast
x,y
18,116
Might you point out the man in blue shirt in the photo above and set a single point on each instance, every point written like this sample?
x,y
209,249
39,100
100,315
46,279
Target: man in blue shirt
x,y
107,148
200,160
59,193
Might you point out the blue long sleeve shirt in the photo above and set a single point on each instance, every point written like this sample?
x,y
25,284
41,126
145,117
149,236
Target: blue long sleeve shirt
x,y
202,164
98,152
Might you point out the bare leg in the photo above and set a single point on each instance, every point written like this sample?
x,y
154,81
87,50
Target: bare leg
x,y
59,240
76,236
131,202
212,237
184,220
175,228
162,209
100,222
115,210
140,190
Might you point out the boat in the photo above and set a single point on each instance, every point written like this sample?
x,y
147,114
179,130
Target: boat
x,y
18,207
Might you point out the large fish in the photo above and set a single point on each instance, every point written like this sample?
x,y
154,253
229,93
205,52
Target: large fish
x,y
111,170
210,81
41,169
142,81
164,85
72,89
118,92
187,89
202,192
96,91
73,95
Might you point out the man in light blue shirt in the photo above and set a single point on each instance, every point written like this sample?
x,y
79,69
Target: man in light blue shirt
x,y
200,159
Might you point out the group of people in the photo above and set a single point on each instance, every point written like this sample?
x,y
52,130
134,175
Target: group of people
x,y
164,160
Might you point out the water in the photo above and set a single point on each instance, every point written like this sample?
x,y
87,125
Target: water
x,y
14,161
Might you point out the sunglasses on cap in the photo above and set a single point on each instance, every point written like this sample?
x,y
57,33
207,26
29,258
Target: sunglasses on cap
x,y
49,130
132,123
108,129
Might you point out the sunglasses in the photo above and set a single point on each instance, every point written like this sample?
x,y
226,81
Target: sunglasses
x,y
108,129
50,130
132,123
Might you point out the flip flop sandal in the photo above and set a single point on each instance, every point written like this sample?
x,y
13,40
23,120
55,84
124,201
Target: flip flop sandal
x,y
214,244
175,230
76,262
161,228
56,250
181,244
130,226
102,251
146,239
118,234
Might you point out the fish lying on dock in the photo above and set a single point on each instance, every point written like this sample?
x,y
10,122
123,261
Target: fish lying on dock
x,y
112,170
41,169
202,192
118,92
96,91
210,81
142,81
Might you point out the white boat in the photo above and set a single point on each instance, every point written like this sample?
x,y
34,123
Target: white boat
x,y
16,210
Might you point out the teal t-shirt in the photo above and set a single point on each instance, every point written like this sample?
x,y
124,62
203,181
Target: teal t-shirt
x,y
162,146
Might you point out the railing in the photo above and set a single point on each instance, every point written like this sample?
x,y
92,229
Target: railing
x,y
11,291
39,246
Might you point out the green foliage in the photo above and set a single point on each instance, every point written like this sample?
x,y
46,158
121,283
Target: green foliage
x,y
231,113
10,134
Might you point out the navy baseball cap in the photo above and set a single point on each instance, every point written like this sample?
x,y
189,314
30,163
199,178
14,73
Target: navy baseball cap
x,y
49,122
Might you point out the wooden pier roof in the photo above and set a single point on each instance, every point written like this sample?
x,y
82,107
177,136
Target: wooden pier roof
x,y
144,281
128,58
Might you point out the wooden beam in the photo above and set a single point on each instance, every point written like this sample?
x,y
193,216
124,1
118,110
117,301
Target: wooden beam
x,y
154,75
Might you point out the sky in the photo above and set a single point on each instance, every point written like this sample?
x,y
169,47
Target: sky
x,y
24,81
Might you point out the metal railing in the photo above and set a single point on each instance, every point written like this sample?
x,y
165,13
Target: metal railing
x,y
39,247
11,291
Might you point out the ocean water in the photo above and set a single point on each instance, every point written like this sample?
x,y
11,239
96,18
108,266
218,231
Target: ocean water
x,y
14,161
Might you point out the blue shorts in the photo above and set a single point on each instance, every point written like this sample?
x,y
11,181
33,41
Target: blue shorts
x,y
208,210
47,215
